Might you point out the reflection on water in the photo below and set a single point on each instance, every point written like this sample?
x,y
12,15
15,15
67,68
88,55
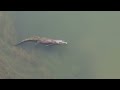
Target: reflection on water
x,y
92,51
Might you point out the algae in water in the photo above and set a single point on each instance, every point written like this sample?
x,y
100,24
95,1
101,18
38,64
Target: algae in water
x,y
10,56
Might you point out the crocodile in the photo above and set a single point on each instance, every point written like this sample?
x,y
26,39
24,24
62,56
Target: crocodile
x,y
42,40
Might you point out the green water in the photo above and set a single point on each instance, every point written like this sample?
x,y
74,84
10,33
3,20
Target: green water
x,y
93,49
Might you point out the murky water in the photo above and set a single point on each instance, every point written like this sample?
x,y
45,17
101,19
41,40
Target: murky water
x,y
92,51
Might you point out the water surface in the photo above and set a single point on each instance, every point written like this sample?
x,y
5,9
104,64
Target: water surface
x,y
92,51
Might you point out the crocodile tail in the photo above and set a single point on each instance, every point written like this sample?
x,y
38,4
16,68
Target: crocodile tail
x,y
24,41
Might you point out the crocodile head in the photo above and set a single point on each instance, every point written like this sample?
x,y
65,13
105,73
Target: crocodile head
x,y
60,42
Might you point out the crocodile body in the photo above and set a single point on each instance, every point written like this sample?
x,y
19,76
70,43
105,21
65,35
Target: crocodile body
x,y
43,40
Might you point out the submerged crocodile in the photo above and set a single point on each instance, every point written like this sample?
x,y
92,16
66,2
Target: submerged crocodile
x,y
43,40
